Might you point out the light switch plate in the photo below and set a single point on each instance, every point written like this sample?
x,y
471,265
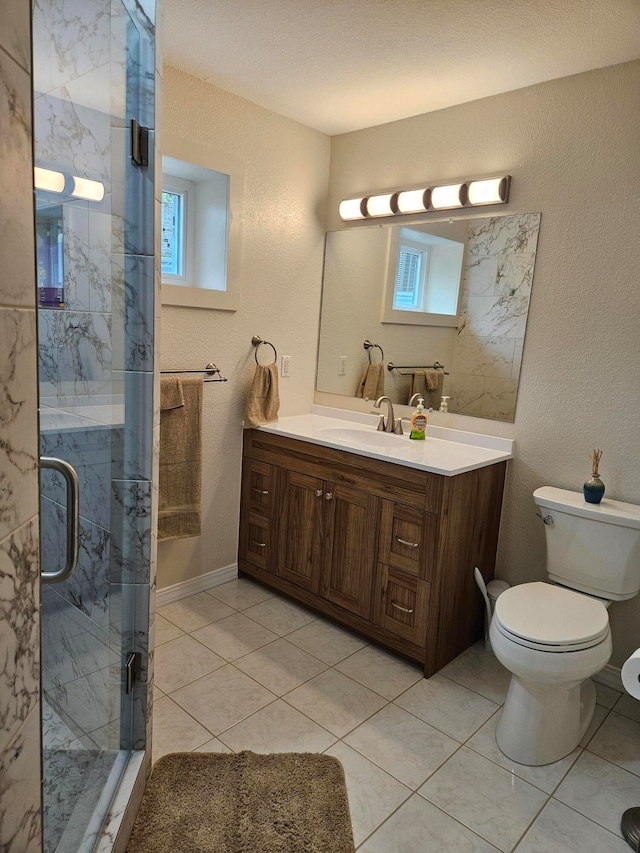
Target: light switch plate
x,y
342,366
285,365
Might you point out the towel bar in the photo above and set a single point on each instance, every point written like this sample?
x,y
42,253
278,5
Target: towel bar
x,y
210,370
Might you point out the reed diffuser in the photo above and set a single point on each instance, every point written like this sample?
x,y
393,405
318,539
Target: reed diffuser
x,y
593,489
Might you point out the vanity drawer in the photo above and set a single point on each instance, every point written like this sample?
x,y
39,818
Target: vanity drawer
x,y
257,543
407,539
259,487
401,604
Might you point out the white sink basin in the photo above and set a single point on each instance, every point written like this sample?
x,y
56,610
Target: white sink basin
x,y
368,438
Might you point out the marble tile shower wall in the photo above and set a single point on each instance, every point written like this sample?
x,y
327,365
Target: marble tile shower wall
x,y
495,301
20,778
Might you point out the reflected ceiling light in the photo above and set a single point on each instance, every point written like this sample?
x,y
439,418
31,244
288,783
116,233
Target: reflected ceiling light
x,y
426,200
491,191
89,190
381,205
444,198
48,180
353,208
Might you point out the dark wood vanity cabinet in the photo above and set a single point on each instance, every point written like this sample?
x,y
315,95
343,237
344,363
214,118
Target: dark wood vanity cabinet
x,y
382,549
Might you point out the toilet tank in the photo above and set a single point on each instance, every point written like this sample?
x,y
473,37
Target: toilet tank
x,y
593,548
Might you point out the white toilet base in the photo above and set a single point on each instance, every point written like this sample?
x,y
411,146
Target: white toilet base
x,y
541,723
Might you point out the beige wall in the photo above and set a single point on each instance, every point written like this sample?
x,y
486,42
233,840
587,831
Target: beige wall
x,y
285,189
572,148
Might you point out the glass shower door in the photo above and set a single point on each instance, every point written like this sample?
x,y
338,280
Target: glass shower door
x,y
93,73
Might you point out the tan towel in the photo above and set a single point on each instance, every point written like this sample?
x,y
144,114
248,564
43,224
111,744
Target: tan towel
x,y
429,384
179,511
171,393
372,383
263,401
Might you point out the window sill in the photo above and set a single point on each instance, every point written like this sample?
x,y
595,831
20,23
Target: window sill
x,y
197,297
421,318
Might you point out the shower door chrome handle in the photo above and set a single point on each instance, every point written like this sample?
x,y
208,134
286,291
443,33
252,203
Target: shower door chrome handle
x,y
73,517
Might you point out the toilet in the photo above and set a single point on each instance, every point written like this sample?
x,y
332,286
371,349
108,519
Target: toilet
x,y
554,636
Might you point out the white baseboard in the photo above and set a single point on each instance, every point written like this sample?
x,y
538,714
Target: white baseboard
x,y
610,676
189,587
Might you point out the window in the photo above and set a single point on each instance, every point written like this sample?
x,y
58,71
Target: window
x,y
178,226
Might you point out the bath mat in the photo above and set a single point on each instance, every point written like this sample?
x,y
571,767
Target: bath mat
x,y
244,803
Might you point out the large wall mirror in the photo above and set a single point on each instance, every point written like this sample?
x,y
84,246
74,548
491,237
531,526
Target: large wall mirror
x,y
444,305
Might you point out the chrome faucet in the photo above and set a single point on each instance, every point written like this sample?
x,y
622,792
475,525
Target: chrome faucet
x,y
390,424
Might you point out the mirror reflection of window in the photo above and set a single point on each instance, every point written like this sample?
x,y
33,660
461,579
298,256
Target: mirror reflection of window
x,y
413,261
173,235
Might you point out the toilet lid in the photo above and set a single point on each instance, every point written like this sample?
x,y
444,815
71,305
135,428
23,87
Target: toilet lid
x,y
551,616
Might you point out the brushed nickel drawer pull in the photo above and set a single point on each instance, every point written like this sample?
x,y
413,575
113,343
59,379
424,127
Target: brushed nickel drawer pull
x,y
261,491
318,493
409,544
258,544
329,496
400,607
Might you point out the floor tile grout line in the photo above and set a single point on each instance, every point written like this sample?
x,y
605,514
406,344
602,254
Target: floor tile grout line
x,y
586,817
530,824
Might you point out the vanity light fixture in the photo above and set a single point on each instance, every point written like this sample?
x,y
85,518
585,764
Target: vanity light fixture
x,y
89,190
447,197
48,180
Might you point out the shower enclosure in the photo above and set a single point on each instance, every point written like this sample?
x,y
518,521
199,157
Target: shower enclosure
x,y
94,72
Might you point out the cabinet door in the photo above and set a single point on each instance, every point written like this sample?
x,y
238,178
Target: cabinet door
x,y
256,540
300,529
259,487
407,538
401,604
351,519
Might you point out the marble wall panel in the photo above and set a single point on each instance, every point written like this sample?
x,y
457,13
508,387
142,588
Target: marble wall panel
x,y
132,457
16,210
19,627
71,40
133,320
495,297
20,808
18,418
131,531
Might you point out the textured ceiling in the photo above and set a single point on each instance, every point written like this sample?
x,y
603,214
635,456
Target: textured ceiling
x,y
341,65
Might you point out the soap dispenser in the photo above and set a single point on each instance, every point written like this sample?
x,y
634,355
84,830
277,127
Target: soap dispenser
x,y
419,422
444,404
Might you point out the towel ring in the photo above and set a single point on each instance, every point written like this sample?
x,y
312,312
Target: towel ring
x,y
369,346
257,342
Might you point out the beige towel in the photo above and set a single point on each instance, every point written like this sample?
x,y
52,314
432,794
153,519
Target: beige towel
x,y
179,512
263,401
429,384
372,383
171,393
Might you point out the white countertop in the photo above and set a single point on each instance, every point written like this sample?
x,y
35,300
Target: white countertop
x,y
444,451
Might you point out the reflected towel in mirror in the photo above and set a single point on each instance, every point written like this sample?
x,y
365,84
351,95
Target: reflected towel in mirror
x,y
372,383
429,384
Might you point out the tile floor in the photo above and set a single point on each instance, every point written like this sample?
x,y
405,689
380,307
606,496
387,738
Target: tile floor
x,y
238,667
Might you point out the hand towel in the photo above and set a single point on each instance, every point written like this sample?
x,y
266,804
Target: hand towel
x,y
429,384
263,401
170,393
179,512
372,383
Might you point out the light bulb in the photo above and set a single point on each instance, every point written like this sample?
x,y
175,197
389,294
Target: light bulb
x,y
445,197
380,205
492,191
46,179
412,201
89,190
351,208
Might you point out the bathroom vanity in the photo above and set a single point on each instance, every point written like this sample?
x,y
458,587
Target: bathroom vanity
x,y
376,533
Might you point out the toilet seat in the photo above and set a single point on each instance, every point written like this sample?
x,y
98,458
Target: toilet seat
x,y
550,618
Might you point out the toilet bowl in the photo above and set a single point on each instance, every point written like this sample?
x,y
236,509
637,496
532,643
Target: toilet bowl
x,y
554,636
552,640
